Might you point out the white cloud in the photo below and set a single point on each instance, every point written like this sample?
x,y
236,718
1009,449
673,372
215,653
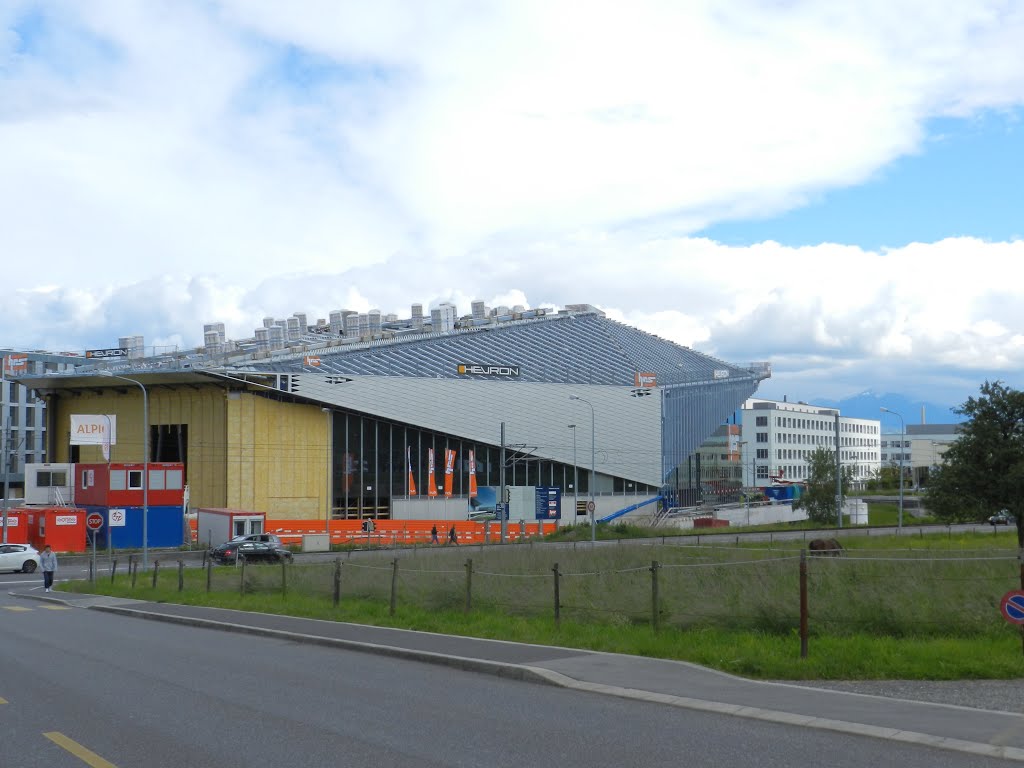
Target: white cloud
x,y
173,163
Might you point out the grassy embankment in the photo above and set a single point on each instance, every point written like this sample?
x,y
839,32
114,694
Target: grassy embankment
x,y
893,608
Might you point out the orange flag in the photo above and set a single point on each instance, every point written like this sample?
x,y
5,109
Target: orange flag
x,y
449,470
408,461
431,479
472,475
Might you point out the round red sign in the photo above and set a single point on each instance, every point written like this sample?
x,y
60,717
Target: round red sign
x,y
94,521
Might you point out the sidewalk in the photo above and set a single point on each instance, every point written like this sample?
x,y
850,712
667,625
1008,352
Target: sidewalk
x,y
976,731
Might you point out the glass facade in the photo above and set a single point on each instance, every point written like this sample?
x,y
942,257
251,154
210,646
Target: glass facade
x,y
372,459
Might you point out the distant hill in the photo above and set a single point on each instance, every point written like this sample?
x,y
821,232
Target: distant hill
x,y
867,405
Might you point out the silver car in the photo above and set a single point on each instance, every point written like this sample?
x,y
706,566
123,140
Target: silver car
x,y
18,557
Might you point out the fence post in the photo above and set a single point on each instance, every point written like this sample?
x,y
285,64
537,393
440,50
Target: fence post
x,y
394,585
558,608
156,568
209,575
133,568
241,578
803,603
469,586
284,578
337,581
92,573
113,569
181,575
655,608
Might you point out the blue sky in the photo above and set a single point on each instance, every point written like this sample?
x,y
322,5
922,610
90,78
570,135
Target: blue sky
x,y
829,188
963,182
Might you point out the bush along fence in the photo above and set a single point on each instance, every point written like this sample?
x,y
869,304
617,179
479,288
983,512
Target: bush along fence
x,y
776,591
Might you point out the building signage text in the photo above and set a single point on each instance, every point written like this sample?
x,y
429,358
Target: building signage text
x,y
474,369
103,353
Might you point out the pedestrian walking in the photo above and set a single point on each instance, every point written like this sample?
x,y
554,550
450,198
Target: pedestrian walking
x,y
433,535
452,537
48,562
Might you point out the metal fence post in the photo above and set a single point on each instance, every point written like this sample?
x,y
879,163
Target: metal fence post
x,y
209,575
113,569
394,585
803,603
655,608
337,581
284,578
156,568
558,600
469,585
181,575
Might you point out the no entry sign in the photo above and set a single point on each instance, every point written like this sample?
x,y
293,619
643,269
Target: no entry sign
x,y
1012,606
94,521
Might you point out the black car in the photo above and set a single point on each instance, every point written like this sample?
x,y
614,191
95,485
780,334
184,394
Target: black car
x,y
999,518
256,547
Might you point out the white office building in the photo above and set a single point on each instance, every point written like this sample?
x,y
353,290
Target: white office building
x,y
778,439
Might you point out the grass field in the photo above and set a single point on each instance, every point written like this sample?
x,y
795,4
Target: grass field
x,y
893,607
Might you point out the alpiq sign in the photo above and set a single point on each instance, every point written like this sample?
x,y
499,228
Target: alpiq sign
x,y
475,369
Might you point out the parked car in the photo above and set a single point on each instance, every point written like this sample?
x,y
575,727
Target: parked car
x,y
263,547
18,557
999,518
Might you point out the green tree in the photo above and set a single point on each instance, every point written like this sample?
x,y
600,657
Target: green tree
x,y
983,471
820,497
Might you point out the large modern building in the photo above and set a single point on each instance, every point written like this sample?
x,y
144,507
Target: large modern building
x,y
377,417
779,437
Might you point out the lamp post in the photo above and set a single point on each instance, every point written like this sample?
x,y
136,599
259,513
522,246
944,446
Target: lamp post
x,y
593,470
145,463
575,475
903,429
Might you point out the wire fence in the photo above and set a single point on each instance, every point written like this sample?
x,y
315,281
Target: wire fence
x,y
876,592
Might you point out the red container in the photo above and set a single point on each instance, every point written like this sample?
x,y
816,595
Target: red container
x,y
63,528
709,522
17,526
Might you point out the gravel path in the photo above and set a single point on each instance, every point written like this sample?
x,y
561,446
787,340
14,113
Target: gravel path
x,y
1001,695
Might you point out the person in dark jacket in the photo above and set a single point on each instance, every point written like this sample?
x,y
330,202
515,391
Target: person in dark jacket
x,y
452,536
48,563
433,535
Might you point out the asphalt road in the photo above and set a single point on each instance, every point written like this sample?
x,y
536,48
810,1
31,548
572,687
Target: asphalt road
x,y
139,693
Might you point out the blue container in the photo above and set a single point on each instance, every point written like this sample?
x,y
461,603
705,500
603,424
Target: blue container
x,y
165,527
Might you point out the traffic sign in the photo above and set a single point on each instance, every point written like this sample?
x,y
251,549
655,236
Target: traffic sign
x,y
94,521
591,506
1012,606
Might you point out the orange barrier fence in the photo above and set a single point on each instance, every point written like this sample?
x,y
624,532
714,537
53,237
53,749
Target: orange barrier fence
x,y
397,532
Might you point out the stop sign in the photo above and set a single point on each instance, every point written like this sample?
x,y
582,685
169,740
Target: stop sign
x,y
94,521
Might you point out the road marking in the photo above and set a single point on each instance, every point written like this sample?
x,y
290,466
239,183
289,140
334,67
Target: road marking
x,y
87,756
3,700
56,607
16,608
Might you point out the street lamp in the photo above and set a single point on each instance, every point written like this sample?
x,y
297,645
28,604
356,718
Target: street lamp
x,y
145,463
593,471
575,474
903,429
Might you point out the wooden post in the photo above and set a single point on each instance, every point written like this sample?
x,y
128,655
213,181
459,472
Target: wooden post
x,y
558,607
156,568
469,586
181,575
394,585
133,568
337,581
655,608
209,575
241,578
284,578
113,569
803,603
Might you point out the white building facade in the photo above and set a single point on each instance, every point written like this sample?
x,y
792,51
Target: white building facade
x,y
778,439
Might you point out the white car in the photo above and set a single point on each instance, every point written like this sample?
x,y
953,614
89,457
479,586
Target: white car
x,y
18,557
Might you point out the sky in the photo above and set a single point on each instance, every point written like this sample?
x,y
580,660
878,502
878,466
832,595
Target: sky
x,y
833,188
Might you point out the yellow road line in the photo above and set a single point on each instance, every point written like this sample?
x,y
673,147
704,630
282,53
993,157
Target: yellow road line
x,y
87,756
3,700
16,608
56,607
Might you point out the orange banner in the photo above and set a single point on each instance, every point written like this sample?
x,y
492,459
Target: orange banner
x,y
449,471
431,479
472,475
408,462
